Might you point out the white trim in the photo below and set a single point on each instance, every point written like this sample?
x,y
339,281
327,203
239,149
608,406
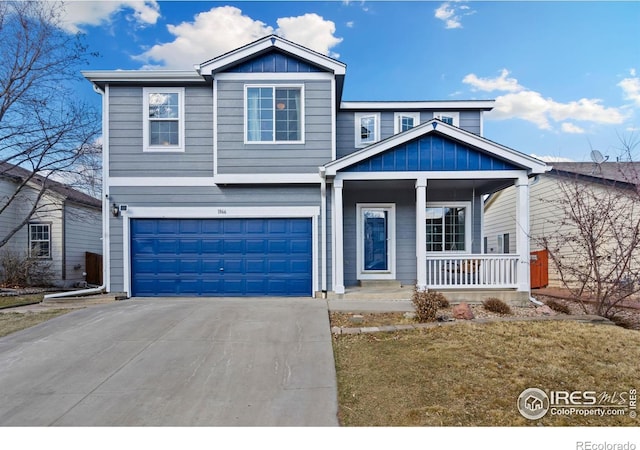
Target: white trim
x,y
437,175
106,216
468,229
268,178
337,232
105,76
273,87
334,151
215,126
146,146
522,234
361,273
486,105
533,165
455,116
161,181
221,212
272,41
421,234
274,76
358,128
398,115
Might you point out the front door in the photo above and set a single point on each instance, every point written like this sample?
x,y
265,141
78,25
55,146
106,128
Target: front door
x,y
376,241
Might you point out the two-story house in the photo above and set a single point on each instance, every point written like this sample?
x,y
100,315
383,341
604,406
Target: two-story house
x,y
250,176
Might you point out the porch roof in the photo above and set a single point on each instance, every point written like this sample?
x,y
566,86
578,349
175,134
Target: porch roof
x,y
436,146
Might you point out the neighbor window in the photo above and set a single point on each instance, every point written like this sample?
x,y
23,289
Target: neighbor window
x,y
40,240
274,114
451,118
405,121
163,119
367,128
448,228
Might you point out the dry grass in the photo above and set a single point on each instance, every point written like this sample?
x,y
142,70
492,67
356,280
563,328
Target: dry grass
x,y
10,322
472,374
19,300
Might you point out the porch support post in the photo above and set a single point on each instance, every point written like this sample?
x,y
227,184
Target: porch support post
x,y
522,232
421,233
338,254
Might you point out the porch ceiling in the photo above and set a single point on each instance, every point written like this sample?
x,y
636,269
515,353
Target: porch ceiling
x,y
481,186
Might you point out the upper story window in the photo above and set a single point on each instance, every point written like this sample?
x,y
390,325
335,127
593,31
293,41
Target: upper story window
x,y
163,121
274,114
367,128
405,121
40,240
451,118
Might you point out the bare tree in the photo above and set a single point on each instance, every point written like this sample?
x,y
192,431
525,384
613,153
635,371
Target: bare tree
x,y
595,239
43,128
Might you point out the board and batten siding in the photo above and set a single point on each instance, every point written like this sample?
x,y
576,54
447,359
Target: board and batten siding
x,y
345,126
206,197
83,233
236,157
126,155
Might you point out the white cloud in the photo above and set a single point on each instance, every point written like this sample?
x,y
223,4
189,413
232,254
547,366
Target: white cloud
x,y
451,14
501,83
571,128
310,30
631,87
350,24
225,28
523,103
77,14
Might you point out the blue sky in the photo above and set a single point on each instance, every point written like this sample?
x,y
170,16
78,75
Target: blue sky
x,y
565,75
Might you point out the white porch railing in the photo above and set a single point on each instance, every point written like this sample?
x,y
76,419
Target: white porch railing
x,y
472,271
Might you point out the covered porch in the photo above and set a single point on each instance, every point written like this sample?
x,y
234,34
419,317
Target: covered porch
x,y
409,211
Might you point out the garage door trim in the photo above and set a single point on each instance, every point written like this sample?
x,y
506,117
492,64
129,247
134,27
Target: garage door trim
x,y
217,212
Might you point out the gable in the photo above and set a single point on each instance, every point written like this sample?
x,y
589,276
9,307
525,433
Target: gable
x,y
274,62
431,153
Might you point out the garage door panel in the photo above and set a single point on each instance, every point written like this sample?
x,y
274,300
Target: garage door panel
x,y
184,257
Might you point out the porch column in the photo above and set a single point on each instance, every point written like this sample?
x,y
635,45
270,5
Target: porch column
x,y
522,232
338,253
421,233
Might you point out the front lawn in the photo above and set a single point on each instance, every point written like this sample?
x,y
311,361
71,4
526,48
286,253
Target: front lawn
x,y
472,374
11,322
10,301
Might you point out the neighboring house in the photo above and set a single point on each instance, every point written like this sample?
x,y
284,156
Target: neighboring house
x,y
501,226
251,176
66,224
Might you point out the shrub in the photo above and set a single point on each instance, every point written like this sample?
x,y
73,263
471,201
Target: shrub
x,y
18,270
558,307
444,303
426,304
496,305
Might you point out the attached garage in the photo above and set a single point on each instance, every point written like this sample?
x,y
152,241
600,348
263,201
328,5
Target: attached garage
x,y
221,257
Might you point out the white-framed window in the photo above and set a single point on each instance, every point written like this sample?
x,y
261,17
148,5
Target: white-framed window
x,y
274,114
163,119
40,240
367,128
449,227
403,121
451,118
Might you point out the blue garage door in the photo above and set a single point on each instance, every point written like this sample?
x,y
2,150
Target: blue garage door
x,y
221,257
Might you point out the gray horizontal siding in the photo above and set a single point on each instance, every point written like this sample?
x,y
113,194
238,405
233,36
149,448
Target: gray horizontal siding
x,y
234,156
126,156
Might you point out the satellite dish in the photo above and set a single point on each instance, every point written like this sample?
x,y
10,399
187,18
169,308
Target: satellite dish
x,y
597,157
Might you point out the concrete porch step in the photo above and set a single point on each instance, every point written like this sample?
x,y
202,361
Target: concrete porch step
x,y
380,284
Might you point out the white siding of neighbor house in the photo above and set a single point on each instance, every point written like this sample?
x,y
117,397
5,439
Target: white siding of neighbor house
x,y
83,233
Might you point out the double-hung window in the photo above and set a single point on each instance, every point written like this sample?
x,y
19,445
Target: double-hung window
x,y
451,118
274,114
367,128
163,119
448,227
405,121
40,240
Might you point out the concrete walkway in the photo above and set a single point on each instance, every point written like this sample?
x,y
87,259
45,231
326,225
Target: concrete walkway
x,y
173,362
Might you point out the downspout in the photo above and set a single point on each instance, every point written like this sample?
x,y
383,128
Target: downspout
x,y
105,223
323,231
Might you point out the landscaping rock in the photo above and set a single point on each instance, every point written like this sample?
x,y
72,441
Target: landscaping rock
x,y
545,311
462,311
357,318
409,315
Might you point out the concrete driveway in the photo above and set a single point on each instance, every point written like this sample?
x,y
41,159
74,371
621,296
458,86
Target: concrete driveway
x,y
173,362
